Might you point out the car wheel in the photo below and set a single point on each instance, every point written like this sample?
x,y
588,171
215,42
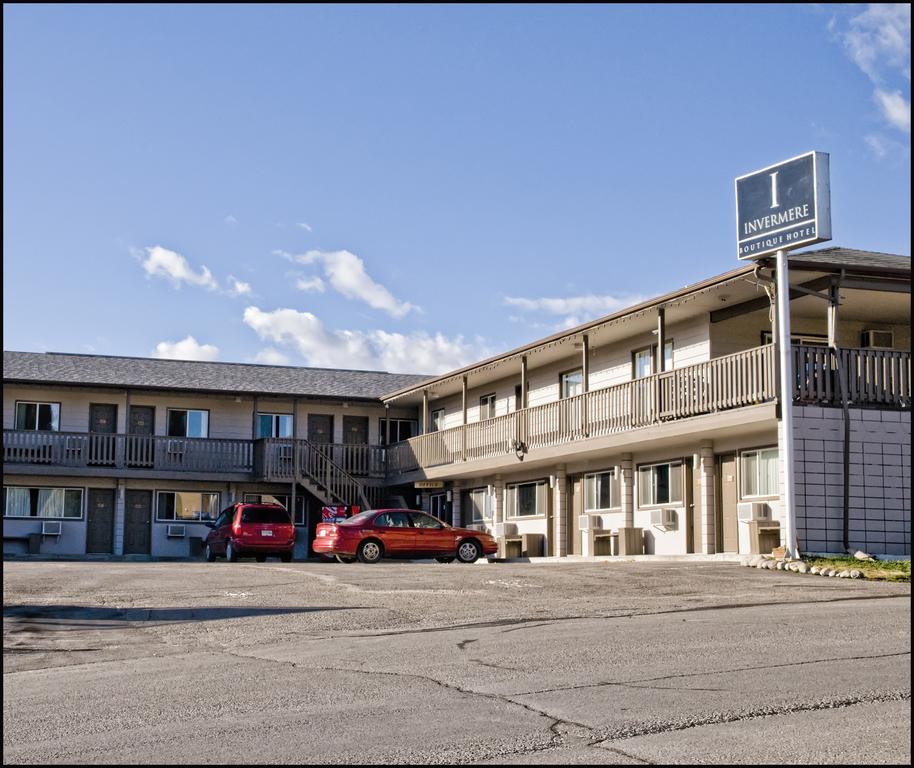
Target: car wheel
x,y
231,554
261,558
448,559
286,557
468,552
345,559
370,551
208,554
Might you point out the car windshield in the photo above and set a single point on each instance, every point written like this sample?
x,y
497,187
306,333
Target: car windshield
x,y
265,515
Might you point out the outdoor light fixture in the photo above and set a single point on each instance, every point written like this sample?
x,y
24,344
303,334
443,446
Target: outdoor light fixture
x,y
449,496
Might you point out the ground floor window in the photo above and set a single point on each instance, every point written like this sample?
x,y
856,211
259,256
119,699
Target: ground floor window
x,y
660,484
758,471
64,503
527,499
478,505
190,507
438,506
601,491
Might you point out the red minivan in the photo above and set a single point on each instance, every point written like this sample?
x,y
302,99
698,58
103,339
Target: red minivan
x,y
246,530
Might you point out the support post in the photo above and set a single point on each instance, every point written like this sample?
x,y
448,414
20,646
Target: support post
x,y
786,401
424,411
661,339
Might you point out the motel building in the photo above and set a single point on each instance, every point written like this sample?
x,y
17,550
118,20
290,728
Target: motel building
x,y
655,430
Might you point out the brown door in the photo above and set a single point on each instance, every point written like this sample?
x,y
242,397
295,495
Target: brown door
x,y
102,427
320,428
100,521
355,430
140,428
575,509
137,522
728,539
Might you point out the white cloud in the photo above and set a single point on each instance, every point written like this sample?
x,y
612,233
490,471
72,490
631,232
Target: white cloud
x,y
877,144
230,220
302,225
238,288
417,352
346,273
174,267
878,40
896,109
591,305
271,356
310,284
186,349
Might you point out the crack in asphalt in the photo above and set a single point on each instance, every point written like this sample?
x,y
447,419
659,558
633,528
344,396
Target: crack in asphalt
x,y
713,672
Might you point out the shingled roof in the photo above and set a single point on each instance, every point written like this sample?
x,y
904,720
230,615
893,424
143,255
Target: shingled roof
x,y
187,375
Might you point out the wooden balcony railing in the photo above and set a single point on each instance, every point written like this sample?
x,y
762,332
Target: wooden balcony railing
x,y
870,377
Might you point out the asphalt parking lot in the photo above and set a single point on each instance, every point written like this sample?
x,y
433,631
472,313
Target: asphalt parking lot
x,y
588,662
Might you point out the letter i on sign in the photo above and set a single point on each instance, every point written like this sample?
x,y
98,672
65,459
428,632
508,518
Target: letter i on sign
x,y
774,189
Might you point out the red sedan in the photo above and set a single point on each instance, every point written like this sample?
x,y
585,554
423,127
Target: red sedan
x,y
378,533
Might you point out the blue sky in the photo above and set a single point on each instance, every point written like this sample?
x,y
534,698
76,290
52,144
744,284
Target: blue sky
x,y
412,188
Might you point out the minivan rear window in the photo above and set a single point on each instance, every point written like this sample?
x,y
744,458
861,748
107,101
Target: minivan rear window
x,y
263,515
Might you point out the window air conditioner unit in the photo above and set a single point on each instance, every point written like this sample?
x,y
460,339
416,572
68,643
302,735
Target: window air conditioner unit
x,y
590,522
504,530
665,518
175,446
176,531
753,510
51,528
877,339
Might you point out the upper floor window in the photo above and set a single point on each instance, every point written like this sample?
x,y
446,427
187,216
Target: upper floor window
x,y
178,505
187,423
571,383
601,491
400,429
64,503
527,499
487,407
660,484
644,360
758,471
272,424
38,416
437,420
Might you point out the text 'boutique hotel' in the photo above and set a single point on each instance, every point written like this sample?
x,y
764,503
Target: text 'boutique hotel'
x,y
653,430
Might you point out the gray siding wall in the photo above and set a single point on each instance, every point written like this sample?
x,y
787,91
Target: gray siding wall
x,y
880,480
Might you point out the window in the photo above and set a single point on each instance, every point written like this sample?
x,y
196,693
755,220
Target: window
x,y
660,484
437,420
65,503
272,425
518,396
400,429
814,339
38,416
186,423
601,491
421,520
392,520
487,407
527,499
758,471
479,505
571,383
438,506
286,501
178,505
643,360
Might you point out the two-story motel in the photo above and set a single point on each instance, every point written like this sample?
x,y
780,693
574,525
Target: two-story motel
x,y
652,430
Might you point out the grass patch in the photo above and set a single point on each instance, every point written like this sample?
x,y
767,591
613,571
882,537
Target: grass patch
x,y
883,570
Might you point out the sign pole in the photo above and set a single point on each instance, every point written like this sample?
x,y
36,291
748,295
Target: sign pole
x,y
786,360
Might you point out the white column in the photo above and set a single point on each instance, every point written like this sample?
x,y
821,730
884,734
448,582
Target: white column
x,y
560,548
456,514
628,489
499,511
706,499
786,402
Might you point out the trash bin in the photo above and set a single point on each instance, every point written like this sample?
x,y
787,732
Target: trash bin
x,y
764,535
34,543
196,546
